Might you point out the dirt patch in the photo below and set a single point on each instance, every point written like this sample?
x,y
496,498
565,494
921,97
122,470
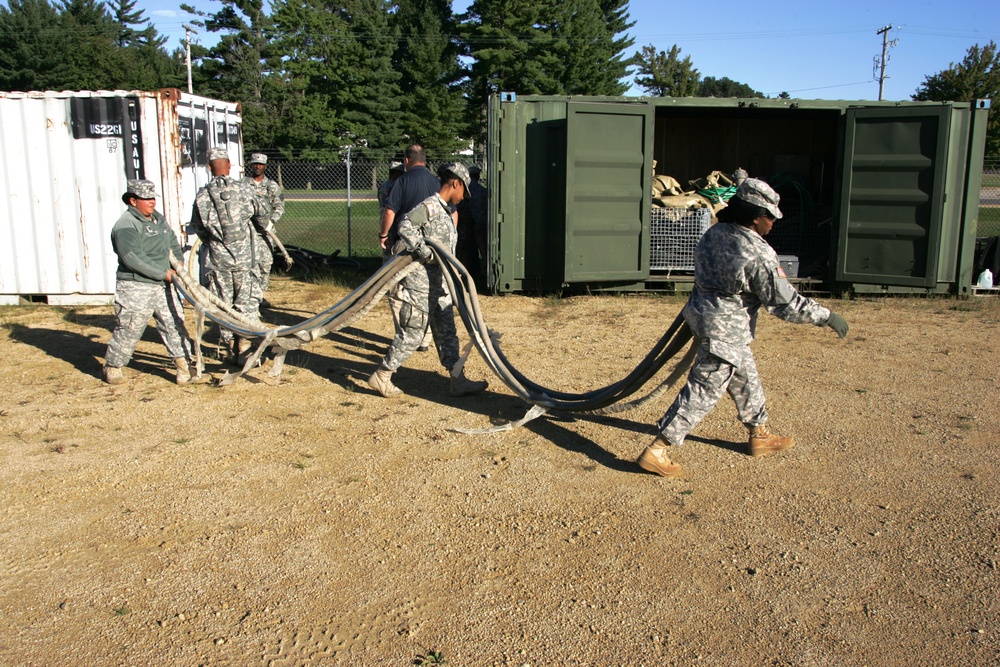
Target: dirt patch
x,y
311,522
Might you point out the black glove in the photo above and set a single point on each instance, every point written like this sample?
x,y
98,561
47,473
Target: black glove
x,y
837,323
424,254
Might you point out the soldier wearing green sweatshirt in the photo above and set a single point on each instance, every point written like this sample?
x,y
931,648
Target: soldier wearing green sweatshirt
x,y
143,242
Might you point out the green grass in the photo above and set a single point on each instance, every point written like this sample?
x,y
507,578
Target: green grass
x,y
991,180
989,221
322,226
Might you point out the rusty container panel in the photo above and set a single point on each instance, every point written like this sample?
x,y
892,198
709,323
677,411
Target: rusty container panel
x,y
189,125
65,158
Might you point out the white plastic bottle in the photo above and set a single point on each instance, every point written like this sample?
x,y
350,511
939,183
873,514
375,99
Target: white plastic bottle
x,y
985,280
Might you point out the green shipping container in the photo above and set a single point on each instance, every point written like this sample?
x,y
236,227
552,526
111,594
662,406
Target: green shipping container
x,y
877,196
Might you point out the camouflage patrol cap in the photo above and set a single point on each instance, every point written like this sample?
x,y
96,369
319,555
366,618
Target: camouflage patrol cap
x,y
257,158
459,171
139,189
397,166
757,192
218,153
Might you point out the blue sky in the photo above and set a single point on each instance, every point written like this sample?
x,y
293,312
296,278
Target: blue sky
x,y
813,50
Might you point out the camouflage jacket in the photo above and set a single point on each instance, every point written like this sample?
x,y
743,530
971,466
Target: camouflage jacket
x,y
272,195
431,219
736,273
225,215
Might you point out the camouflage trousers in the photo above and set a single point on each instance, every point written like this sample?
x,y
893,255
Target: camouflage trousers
x,y
396,303
709,378
423,301
135,303
237,289
262,269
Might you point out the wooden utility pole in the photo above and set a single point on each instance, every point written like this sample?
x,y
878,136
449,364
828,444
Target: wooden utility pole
x,y
883,62
187,49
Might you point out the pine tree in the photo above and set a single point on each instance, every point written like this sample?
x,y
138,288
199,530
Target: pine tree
x,y
32,44
614,69
76,46
337,66
370,101
91,38
976,77
663,74
126,16
313,39
508,48
235,68
432,109
504,40
725,87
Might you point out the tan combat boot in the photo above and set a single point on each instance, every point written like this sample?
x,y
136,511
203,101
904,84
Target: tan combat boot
x,y
764,442
113,375
186,374
463,386
242,351
381,381
654,459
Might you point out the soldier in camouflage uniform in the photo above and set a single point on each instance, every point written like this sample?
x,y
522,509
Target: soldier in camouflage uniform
x,y
143,242
736,274
423,292
270,192
396,169
226,217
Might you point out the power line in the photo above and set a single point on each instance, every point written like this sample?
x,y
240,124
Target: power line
x,y
802,90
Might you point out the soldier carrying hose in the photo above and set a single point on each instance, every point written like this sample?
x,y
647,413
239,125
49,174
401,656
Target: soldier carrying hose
x,y
736,273
227,215
143,242
423,293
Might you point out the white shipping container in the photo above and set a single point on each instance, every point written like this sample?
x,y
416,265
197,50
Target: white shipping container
x,y
65,158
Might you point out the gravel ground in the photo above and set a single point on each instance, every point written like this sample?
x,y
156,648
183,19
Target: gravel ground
x,y
308,521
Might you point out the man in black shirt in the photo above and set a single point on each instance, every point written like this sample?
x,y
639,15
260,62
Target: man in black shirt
x,y
416,185
413,187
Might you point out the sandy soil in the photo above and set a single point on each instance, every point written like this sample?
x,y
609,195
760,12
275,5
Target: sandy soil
x,y
312,522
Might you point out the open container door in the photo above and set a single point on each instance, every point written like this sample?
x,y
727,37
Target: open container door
x,y
892,196
607,191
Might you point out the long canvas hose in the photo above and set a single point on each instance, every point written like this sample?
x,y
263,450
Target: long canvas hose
x,y
358,303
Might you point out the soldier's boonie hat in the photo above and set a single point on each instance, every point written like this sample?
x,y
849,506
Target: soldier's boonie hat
x,y
140,189
460,172
257,158
397,166
757,192
474,170
218,154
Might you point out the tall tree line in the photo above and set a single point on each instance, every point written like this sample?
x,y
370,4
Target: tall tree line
x,y
314,76
82,45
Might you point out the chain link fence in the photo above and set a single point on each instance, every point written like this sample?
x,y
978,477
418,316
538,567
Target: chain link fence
x,y
989,199
332,207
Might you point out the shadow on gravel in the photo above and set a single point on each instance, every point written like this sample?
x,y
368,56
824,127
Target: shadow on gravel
x,y
738,447
86,352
